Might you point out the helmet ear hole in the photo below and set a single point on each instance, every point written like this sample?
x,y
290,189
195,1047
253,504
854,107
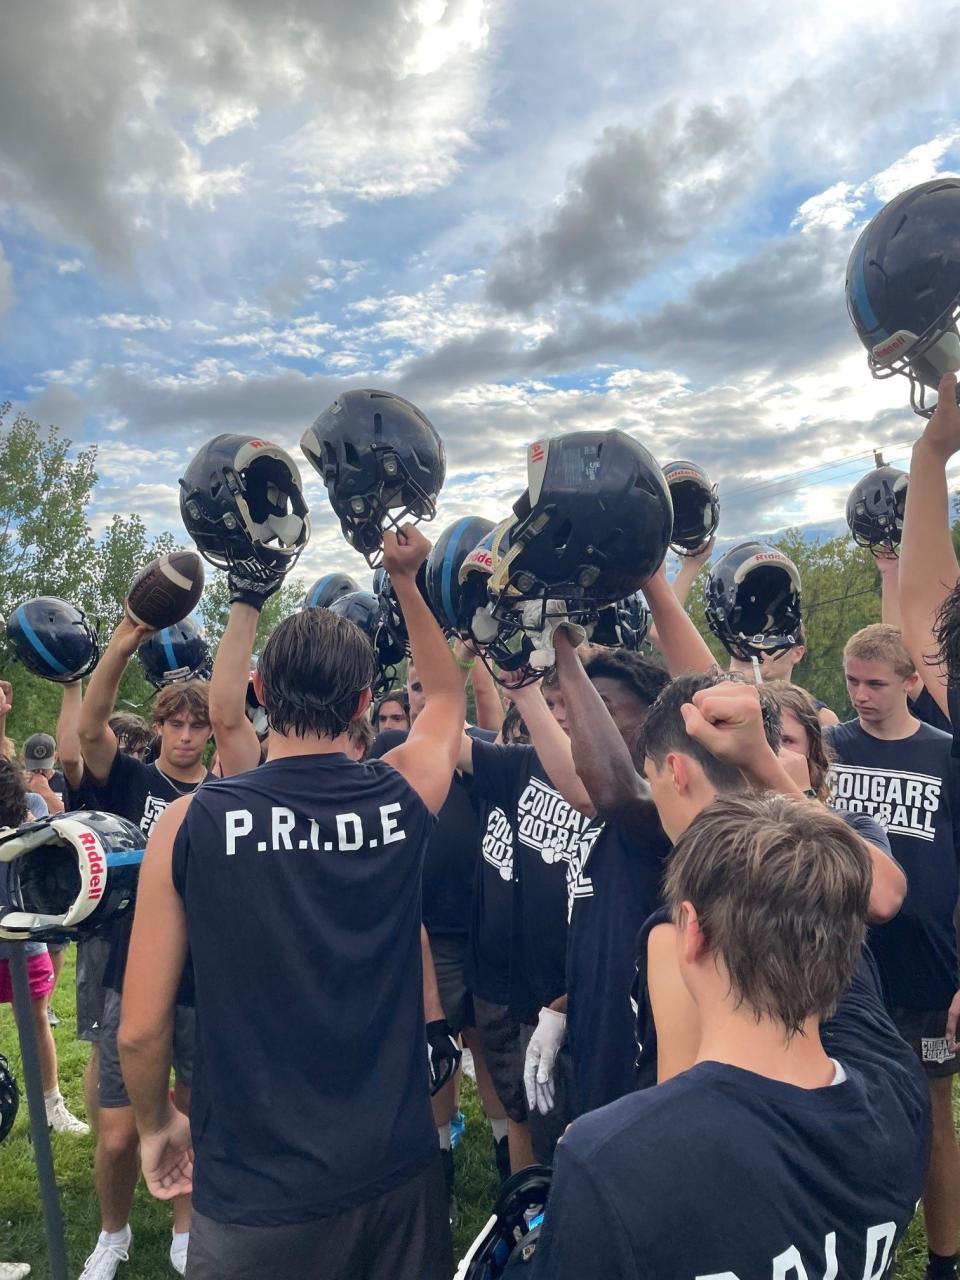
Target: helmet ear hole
x,y
562,534
350,454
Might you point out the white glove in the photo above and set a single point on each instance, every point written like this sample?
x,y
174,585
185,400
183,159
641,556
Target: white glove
x,y
540,624
540,1060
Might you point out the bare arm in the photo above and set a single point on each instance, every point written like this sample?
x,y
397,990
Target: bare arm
x,y
429,756
97,740
675,1014
888,568
6,705
928,564
600,755
68,734
683,647
238,746
690,567
432,1008
485,695
552,747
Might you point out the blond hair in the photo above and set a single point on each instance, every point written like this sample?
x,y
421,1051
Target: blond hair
x,y
880,642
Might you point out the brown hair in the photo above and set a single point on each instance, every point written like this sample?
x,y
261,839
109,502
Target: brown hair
x,y
880,642
132,732
13,794
360,734
781,889
192,696
790,697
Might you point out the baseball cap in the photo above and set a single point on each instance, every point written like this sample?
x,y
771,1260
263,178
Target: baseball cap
x,y
39,751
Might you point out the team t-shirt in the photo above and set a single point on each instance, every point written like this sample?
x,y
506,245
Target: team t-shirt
x,y
925,707
906,786
723,1174
538,833
614,884
301,887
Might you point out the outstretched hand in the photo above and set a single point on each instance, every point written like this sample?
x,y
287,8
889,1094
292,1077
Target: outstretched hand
x,y
167,1158
129,635
942,432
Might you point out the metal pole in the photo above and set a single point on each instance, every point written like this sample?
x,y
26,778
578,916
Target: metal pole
x,y
39,1130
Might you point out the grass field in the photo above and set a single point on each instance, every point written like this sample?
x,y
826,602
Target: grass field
x,y
21,1227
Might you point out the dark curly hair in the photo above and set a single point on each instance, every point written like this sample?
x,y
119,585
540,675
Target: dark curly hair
x,y
644,678
13,795
946,632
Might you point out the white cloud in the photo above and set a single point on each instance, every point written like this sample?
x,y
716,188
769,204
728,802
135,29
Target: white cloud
x,y
124,320
6,282
69,266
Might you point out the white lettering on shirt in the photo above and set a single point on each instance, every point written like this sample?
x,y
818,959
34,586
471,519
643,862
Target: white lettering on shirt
x,y
239,823
283,820
391,832
348,845
906,804
789,1264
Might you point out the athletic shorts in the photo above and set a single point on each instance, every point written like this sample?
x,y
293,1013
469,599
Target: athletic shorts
x,y
924,1032
448,951
110,1088
403,1235
91,962
55,947
39,976
505,1038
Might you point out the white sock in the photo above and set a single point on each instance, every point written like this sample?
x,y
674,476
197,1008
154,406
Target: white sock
x,y
499,1128
443,1133
121,1237
180,1240
51,1098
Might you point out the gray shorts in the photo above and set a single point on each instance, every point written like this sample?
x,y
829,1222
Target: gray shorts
x,y
505,1038
91,961
110,1088
403,1235
448,951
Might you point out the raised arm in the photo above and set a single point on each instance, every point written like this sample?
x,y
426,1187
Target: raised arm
x,y
237,744
485,696
689,570
889,569
429,756
552,746
683,647
68,734
98,743
928,563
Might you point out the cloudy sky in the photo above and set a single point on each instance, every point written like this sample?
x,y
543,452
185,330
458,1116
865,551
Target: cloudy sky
x,y
526,217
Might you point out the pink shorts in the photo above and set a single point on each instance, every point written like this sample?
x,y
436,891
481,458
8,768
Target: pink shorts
x,y
39,975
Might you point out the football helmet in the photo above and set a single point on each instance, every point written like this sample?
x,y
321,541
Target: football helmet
x,y
69,875
53,639
382,462
593,525
443,588
9,1098
623,625
175,654
327,589
242,504
876,507
508,1241
696,507
903,287
361,607
753,601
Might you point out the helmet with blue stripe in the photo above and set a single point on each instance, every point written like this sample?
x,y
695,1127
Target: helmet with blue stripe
x,y
329,588
444,590
903,287
53,639
175,654
506,1245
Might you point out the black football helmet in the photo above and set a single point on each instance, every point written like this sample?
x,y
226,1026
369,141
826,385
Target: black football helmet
x,y
361,607
623,625
53,639
876,507
903,287
753,601
69,875
175,654
9,1098
443,589
242,504
506,1245
696,507
593,525
326,589
382,462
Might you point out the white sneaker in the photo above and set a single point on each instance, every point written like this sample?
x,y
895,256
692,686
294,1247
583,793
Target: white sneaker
x,y
103,1262
61,1120
14,1270
178,1256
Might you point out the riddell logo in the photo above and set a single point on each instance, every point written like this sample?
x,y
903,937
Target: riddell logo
x,y
258,444
769,555
536,452
98,867
483,557
898,341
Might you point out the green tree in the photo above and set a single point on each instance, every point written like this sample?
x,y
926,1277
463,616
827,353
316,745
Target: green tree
x,y
215,607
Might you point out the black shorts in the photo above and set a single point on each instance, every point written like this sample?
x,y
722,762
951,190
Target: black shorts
x,y
403,1235
925,1033
91,962
505,1038
448,951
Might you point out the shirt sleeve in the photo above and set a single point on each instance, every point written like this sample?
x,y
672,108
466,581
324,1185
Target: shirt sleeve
x,y
869,828
582,1235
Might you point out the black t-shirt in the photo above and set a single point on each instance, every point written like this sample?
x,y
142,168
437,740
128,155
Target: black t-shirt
x,y
58,784
905,785
543,830
726,1174
613,884
301,886
449,867
924,706
140,793
487,962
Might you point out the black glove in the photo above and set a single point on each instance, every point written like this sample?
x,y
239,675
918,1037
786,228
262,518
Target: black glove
x,y
253,585
444,1054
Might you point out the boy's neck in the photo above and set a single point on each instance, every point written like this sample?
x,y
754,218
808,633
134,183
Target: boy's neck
x,y
737,1039
280,746
901,724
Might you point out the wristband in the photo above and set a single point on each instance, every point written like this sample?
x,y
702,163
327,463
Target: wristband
x,y
465,666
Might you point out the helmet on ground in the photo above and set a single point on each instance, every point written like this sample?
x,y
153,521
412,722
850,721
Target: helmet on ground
x,y
175,654
53,639
903,287
326,589
506,1245
9,1098
753,601
68,875
242,503
382,462
696,507
443,588
875,509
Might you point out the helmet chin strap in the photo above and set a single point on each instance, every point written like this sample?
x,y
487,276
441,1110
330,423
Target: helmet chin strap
x,y
758,678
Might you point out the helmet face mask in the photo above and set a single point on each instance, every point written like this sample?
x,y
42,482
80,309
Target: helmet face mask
x,y
753,601
875,510
242,503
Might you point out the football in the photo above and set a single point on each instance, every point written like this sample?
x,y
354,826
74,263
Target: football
x,y
167,590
